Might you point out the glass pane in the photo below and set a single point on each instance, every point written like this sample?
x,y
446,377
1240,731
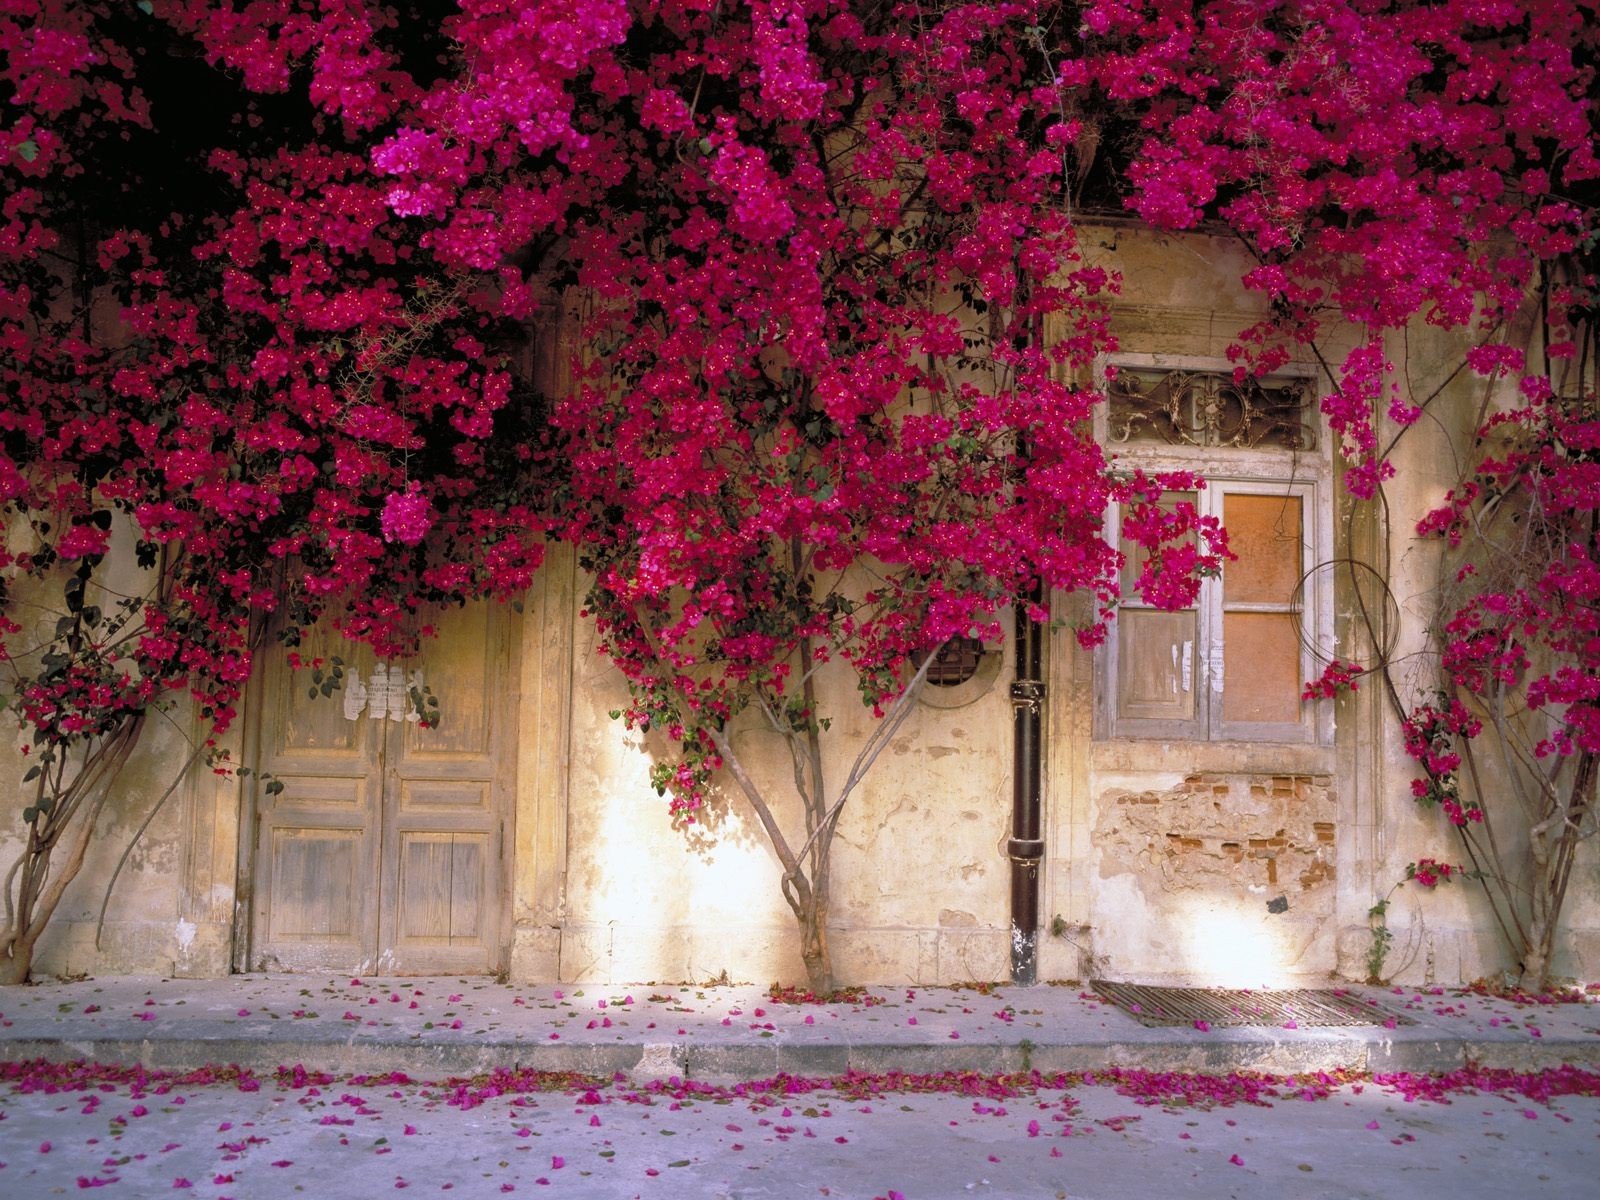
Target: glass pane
x,y
1156,661
1265,533
1260,667
1136,555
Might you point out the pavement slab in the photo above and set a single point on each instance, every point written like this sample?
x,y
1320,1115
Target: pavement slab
x,y
434,1027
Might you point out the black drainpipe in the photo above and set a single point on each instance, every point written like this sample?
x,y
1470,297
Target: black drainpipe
x,y
1025,848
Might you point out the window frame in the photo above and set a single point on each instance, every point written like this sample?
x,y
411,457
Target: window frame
x,y
1307,474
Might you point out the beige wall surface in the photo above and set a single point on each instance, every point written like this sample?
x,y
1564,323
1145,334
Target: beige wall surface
x,y
1244,863
920,882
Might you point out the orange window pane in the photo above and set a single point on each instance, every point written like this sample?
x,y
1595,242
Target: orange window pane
x,y
1156,661
1261,667
1265,532
1135,555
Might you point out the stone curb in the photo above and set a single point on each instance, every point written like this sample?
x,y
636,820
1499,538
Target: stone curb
x,y
711,1062
440,1028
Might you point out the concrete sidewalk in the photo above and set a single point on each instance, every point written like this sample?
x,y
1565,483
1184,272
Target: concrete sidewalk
x,y
433,1028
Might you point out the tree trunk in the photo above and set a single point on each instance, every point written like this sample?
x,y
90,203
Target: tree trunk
x,y
1536,963
814,950
1554,871
47,864
16,963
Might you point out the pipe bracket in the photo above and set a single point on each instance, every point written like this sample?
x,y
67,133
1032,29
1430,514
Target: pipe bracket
x,y
1025,850
1028,694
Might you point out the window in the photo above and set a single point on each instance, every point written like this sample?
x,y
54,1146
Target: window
x,y
955,662
1232,667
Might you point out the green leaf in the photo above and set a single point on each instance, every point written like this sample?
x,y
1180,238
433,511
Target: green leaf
x,y
28,151
33,773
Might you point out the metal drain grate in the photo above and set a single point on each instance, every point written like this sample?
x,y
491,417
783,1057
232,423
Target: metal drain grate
x,y
1223,1006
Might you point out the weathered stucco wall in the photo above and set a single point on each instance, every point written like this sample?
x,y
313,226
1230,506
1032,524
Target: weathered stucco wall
x,y
1181,861
1447,933
920,879
1239,863
171,907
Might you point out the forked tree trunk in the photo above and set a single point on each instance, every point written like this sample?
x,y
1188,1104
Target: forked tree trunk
x,y
42,877
807,871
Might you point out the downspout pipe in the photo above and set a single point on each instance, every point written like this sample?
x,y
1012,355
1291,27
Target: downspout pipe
x,y
1025,848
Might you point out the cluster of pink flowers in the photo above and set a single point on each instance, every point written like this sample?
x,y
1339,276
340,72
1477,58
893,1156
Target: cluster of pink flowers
x,y
1431,739
1336,679
407,515
772,207
1429,872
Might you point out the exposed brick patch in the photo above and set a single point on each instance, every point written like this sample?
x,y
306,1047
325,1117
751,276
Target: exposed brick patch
x,y
1238,832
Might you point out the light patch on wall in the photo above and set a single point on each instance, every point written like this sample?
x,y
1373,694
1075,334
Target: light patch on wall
x,y
1190,876
185,934
679,902
1229,944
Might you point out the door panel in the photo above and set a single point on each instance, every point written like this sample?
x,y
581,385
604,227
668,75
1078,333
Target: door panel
x,y
385,849
446,795
313,879
318,836
441,878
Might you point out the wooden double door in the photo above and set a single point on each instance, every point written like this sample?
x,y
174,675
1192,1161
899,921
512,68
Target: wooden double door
x,y
385,851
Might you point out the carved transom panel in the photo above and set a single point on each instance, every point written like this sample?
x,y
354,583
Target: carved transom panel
x,y
1208,408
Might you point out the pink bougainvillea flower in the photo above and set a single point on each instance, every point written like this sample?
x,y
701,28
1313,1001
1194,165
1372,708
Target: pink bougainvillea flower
x,y
407,515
